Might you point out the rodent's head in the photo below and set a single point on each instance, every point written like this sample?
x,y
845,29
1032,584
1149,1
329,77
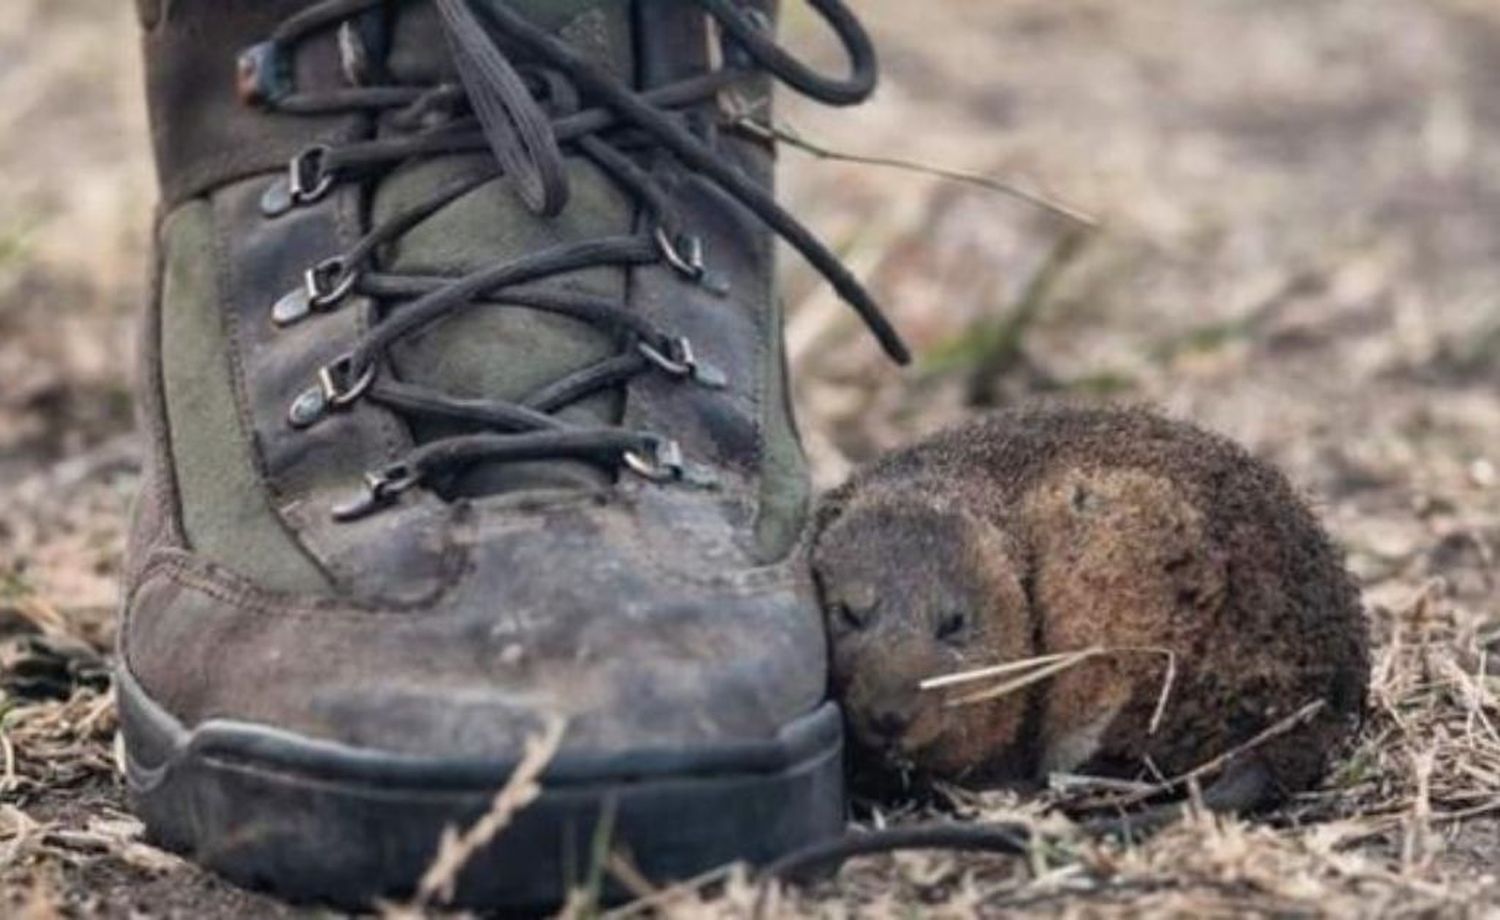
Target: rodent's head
x,y
915,588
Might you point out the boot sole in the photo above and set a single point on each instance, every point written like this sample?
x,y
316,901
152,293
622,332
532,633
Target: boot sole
x,y
312,820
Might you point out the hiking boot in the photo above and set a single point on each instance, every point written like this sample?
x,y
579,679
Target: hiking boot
x,y
468,418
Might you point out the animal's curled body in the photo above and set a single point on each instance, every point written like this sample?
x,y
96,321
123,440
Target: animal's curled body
x,y
1041,531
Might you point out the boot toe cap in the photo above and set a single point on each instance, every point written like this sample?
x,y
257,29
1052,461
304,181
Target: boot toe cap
x,y
632,650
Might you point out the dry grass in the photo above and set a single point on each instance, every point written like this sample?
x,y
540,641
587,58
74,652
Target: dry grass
x,y
1297,247
1400,829
457,849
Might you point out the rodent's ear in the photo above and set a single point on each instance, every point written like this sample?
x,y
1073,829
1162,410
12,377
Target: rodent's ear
x,y
829,508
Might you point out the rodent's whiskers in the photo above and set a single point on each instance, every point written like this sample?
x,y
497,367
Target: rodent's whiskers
x,y
1041,667
998,670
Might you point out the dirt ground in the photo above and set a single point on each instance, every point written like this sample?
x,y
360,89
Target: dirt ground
x,y
1298,244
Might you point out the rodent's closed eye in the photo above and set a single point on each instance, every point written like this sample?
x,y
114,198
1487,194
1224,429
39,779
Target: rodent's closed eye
x,y
951,625
848,616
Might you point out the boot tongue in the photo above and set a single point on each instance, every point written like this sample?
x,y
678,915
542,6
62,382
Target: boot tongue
x,y
500,352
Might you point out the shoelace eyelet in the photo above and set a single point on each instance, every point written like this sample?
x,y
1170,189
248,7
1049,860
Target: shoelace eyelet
x,y
683,251
685,254
263,75
518,115
307,178
337,387
304,182
661,463
308,408
324,286
276,200
381,488
340,385
329,282
292,308
682,362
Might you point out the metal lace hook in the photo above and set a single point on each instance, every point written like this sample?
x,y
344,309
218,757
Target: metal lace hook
x,y
329,282
337,388
661,463
683,252
681,361
340,386
381,488
308,176
323,287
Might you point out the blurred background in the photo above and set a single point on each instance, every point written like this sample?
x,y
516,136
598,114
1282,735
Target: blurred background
x,y
1296,242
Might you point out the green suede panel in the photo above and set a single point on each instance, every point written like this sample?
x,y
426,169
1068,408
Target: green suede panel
x,y
505,352
600,29
501,352
784,486
496,351
490,224
225,512
556,14
493,350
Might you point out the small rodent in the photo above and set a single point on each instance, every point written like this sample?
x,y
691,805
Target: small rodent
x,y
1039,531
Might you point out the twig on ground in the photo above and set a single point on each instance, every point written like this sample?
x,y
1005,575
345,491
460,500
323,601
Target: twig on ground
x,y
1215,764
745,120
455,850
665,896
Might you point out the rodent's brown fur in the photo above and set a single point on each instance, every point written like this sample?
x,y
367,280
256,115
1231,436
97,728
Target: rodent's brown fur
x,y
1065,529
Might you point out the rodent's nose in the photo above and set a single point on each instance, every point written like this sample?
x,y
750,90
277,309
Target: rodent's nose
x,y
890,721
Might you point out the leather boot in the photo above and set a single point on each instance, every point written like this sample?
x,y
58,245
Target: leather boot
x,y
468,416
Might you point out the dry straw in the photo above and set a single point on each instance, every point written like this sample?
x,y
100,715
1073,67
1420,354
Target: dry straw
x,y
1030,671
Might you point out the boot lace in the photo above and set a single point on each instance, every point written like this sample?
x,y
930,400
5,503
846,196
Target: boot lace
x,y
524,116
